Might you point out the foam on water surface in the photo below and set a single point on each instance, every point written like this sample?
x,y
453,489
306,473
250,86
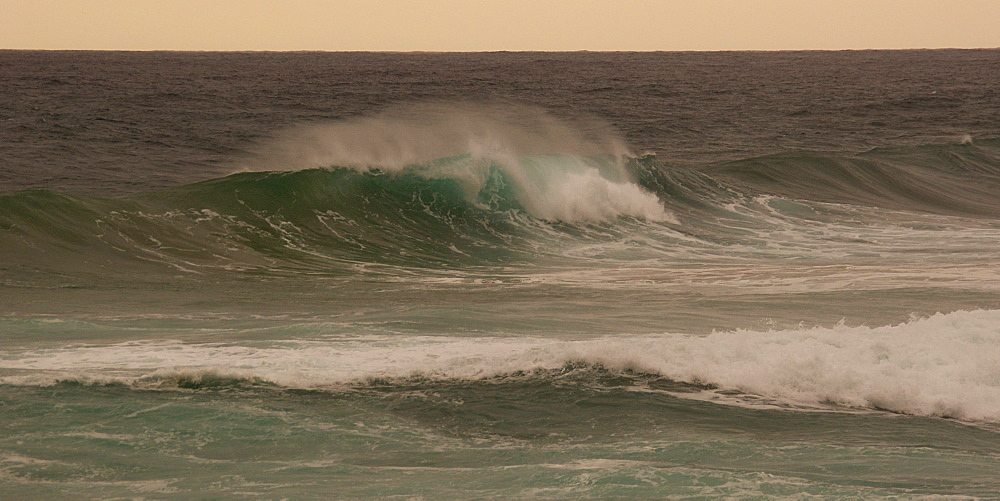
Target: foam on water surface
x,y
944,365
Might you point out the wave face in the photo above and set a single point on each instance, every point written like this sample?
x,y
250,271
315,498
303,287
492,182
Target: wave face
x,y
423,216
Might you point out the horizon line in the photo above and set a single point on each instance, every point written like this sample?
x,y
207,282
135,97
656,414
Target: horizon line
x,y
495,51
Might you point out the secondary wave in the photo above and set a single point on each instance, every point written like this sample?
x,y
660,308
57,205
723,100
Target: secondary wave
x,y
953,179
945,365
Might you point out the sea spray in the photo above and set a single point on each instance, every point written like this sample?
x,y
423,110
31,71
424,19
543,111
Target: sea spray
x,y
418,133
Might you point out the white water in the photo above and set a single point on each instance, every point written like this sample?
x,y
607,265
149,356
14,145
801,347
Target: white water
x,y
943,365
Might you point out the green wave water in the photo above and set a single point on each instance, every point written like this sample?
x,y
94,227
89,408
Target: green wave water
x,y
462,211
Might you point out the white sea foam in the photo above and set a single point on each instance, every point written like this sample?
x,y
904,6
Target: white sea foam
x,y
548,160
943,365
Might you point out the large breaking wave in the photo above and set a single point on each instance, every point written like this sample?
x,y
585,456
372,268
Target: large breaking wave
x,y
428,186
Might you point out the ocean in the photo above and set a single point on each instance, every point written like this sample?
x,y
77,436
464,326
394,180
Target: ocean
x,y
770,275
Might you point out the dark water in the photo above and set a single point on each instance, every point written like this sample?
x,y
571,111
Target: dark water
x,y
315,275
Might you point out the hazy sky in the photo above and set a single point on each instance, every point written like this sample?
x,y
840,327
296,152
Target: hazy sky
x,y
471,25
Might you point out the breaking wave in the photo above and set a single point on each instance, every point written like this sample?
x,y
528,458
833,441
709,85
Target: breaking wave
x,y
945,365
455,185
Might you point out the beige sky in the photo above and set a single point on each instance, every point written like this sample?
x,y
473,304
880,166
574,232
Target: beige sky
x,y
472,25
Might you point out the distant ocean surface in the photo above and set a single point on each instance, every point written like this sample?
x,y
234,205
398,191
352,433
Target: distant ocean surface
x,y
500,275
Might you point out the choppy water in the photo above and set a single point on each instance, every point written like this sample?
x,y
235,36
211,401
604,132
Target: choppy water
x,y
542,275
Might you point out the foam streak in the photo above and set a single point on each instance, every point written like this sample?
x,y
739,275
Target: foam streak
x,y
943,365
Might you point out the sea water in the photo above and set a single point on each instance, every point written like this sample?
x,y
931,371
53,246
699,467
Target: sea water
x,y
502,275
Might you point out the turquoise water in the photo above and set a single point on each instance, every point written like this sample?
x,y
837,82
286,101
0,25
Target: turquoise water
x,y
561,436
